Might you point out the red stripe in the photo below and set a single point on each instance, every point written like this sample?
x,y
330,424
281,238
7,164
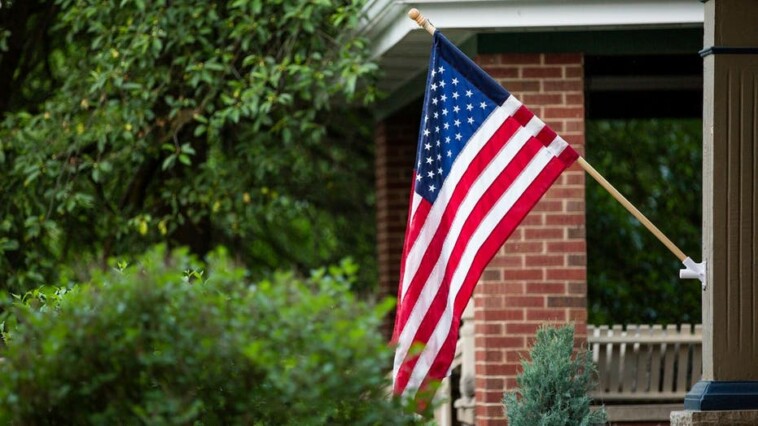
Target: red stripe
x,y
523,115
430,256
482,207
500,233
416,225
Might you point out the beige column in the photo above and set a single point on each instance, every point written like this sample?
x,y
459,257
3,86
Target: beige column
x,y
729,388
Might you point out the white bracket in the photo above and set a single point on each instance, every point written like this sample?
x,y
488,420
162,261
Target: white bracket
x,y
693,271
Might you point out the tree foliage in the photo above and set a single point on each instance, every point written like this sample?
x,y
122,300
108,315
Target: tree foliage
x,y
197,123
176,342
553,389
656,164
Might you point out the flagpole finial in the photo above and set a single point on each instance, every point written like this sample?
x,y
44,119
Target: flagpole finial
x,y
424,23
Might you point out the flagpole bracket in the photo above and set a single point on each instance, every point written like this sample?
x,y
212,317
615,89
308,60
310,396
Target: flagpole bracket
x,y
693,271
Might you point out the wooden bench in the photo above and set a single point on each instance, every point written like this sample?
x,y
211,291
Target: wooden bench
x,y
645,371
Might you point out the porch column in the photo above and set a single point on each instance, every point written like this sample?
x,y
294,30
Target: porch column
x,y
730,219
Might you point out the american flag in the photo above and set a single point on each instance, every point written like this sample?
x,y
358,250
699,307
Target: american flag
x,y
483,161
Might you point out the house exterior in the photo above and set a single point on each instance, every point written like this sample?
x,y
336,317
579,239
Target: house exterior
x,y
568,61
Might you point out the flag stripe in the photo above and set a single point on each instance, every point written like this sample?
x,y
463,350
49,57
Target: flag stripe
x,y
508,204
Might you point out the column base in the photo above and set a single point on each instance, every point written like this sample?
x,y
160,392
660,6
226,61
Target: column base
x,y
722,396
714,418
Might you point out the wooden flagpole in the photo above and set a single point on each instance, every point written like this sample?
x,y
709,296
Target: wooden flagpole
x,y
425,24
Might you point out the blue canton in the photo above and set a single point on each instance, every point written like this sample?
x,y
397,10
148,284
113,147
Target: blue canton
x,y
453,111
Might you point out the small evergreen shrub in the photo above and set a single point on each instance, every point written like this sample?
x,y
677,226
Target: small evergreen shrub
x,y
166,342
553,387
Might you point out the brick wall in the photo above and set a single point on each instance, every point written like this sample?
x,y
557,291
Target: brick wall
x,y
395,140
539,275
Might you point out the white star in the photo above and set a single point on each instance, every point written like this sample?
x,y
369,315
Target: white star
x,y
443,98
430,174
429,160
469,107
426,132
418,177
447,140
439,171
441,70
434,72
426,118
434,86
444,111
470,120
436,129
469,93
436,115
458,137
434,101
455,95
455,82
432,188
439,157
447,126
443,84
457,123
456,109
427,146
438,143
449,154
483,105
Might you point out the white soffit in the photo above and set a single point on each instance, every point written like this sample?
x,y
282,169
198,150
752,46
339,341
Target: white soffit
x,y
402,48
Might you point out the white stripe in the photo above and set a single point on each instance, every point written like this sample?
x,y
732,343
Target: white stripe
x,y
495,215
461,164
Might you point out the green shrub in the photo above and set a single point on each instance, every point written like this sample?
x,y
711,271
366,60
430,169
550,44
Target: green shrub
x,y
164,342
553,388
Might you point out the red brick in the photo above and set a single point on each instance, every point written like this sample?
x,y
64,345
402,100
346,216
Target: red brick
x,y
563,58
522,328
577,260
549,206
575,141
546,314
517,356
488,355
491,302
520,85
533,219
545,260
502,72
567,274
542,99
563,192
523,274
489,383
508,260
491,275
524,247
564,219
566,302
485,60
566,246
520,58
575,126
486,329
492,396
504,315
575,233
562,85
574,178
542,72
499,342
575,206
577,315
563,112
544,233
525,301
575,99
545,288
510,383
577,288
573,71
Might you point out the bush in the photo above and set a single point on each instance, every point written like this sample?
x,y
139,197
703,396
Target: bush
x,y
554,387
161,343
